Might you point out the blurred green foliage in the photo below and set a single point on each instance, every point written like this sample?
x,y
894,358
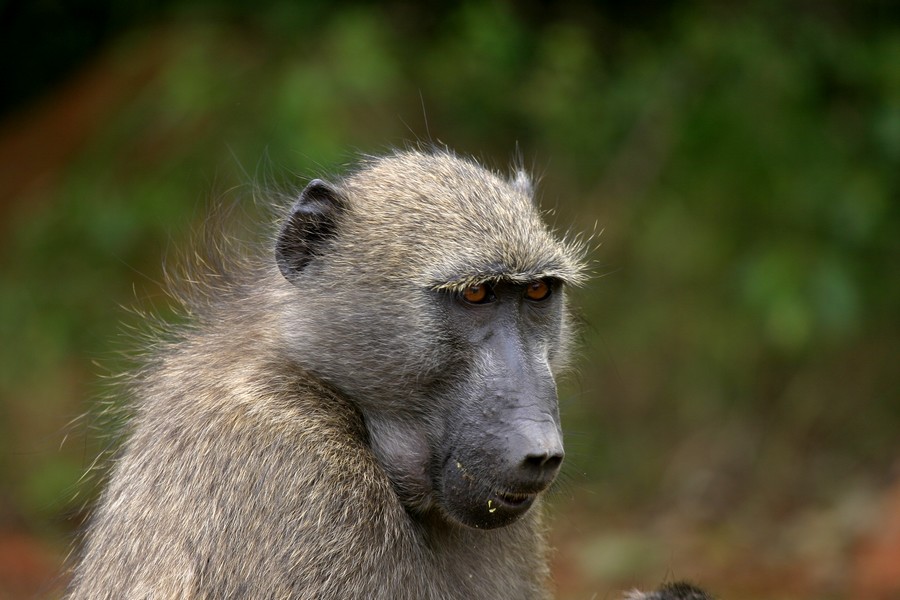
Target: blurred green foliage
x,y
743,164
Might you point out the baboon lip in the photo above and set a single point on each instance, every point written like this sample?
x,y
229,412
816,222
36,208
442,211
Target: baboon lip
x,y
474,502
513,500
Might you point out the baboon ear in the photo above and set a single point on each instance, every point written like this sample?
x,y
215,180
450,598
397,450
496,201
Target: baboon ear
x,y
521,180
311,222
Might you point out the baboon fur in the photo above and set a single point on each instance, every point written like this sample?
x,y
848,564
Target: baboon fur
x,y
672,591
283,442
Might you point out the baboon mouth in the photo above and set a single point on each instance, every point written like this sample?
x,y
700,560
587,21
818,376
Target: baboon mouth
x,y
513,500
470,500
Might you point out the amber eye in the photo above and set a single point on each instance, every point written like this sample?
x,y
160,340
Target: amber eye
x,y
537,290
477,294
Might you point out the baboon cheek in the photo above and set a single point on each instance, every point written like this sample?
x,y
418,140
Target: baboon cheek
x,y
403,452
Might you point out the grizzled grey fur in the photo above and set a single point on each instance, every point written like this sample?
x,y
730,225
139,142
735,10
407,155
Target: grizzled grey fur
x,y
671,591
335,421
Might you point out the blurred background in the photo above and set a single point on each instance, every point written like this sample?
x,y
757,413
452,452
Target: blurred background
x,y
737,416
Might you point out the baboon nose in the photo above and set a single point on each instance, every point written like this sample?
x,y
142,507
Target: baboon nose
x,y
542,459
543,465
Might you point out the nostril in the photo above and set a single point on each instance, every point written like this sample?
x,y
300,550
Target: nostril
x,y
553,462
545,461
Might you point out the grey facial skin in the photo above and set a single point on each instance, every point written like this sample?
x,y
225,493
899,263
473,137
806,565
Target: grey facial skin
x,y
367,409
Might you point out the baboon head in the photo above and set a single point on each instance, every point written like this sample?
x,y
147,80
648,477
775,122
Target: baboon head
x,y
428,291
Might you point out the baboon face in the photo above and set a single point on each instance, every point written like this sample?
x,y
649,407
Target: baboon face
x,y
502,444
433,296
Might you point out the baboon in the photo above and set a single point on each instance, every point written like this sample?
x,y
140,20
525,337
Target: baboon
x,y
366,410
671,591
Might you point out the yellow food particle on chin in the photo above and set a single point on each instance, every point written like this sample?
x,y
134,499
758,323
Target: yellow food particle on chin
x,y
458,465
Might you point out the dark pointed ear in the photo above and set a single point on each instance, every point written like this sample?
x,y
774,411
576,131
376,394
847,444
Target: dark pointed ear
x,y
309,225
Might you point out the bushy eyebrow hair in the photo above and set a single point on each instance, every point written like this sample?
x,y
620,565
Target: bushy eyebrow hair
x,y
462,282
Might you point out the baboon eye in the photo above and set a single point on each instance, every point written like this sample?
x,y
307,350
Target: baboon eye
x,y
478,294
537,290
